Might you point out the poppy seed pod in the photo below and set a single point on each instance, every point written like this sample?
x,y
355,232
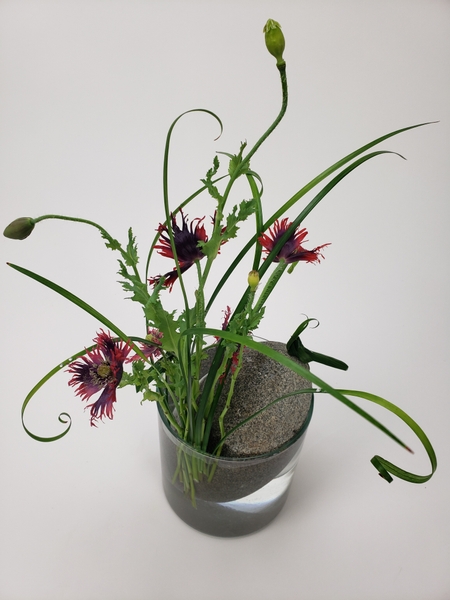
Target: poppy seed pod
x,y
19,229
274,40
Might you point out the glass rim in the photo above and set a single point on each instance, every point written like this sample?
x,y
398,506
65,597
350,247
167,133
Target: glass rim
x,y
238,459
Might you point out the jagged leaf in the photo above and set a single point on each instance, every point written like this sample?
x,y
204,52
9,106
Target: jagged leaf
x,y
238,215
131,255
134,285
166,324
212,189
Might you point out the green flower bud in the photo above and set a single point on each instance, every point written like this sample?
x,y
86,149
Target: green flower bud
x,y
274,40
253,280
19,229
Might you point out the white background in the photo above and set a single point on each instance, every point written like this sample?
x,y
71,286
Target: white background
x,y
88,91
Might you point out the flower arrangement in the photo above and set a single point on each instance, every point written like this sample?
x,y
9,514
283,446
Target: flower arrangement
x,y
165,363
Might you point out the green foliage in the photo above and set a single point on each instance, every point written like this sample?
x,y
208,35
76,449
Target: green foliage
x,y
172,376
110,241
237,166
131,254
296,348
238,214
132,283
208,181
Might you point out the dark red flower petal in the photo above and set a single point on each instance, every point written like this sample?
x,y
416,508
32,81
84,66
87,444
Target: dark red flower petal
x,y
100,369
292,250
186,239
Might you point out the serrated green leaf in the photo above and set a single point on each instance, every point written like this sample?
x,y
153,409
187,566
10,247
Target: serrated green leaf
x,y
238,215
255,319
166,324
110,241
236,161
134,285
131,255
207,181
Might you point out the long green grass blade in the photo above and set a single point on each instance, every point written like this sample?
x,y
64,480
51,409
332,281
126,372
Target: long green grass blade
x,y
296,222
384,467
304,190
63,417
78,301
297,368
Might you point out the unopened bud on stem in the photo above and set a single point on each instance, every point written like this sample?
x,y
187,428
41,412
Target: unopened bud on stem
x,y
253,280
274,40
19,229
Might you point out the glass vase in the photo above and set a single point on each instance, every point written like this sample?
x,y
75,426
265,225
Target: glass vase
x,y
224,496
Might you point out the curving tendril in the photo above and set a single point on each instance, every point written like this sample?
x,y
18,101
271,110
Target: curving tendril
x,y
64,417
385,468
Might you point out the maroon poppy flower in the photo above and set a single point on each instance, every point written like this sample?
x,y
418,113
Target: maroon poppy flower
x,y
151,348
292,251
100,369
186,241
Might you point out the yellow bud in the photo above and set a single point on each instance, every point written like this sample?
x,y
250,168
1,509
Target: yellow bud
x,y
274,40
253,280
19,229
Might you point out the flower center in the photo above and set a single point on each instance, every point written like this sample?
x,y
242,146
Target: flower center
x,y
103,370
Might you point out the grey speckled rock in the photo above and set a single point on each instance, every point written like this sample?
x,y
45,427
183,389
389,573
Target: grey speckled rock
x,y
260,381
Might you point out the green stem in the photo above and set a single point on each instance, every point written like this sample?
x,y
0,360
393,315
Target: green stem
x,y
115,245
259,220
284,103
174,213
244,164
270,285
246,160
76,220
230,393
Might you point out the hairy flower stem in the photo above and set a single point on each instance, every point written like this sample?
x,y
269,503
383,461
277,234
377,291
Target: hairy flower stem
x,y
218,225
114,244
245,331
246,159
284,103
230,392
199,322
76,219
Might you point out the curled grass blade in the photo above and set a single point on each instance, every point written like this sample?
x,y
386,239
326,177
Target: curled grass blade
x,y
63,417
383,466
166,197
297,368
296,222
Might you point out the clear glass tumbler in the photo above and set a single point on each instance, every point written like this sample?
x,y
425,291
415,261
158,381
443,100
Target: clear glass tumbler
x,y
222,496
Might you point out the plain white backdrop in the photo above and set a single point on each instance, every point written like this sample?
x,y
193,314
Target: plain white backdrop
x,y
88,91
